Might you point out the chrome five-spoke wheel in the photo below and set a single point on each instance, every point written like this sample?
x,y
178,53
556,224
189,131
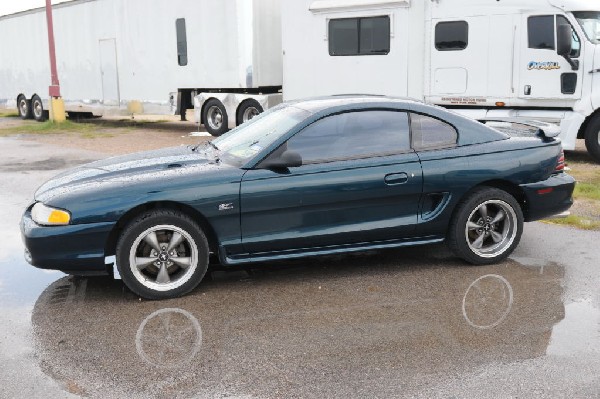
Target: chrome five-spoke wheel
x,y
491,228
486,226
162,254
163,257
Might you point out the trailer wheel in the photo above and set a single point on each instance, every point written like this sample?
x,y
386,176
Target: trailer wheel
x,y
215,117
37,108
24,106
592,138
248,110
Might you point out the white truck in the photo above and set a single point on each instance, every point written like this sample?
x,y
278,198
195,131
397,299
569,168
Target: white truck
x,y
140,56
488,59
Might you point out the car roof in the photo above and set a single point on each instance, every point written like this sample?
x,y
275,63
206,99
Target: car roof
x,y
318,104
470,131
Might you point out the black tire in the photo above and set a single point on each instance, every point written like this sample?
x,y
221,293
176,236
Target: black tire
x,y
37,109
469,229
592,138
247,110
216,120
24,107
133,245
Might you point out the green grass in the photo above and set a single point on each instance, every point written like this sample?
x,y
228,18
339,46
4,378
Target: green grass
x,y
8,113
576,221
586,214
50,127
96,135
589,191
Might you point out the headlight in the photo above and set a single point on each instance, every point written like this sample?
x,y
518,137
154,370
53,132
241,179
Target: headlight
x,y
46,216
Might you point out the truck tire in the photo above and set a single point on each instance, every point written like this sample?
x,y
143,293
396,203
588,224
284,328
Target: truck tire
x,y
247,110
592,138
24,107
37,109
215,117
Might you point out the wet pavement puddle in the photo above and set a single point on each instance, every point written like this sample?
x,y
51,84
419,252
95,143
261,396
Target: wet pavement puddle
x,y
383,324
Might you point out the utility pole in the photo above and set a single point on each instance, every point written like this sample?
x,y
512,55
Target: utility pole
x,y
57,105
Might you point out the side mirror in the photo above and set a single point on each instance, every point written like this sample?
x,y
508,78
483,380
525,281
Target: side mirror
x,y
287,159
564,40
564,45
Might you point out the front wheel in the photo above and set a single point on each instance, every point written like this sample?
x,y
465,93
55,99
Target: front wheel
x,y
162,254
487,226
592,139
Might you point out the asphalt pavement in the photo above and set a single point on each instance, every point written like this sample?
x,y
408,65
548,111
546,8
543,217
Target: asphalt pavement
x,y
401,323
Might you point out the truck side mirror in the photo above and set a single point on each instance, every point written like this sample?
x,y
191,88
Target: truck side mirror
x,y
564,44
564,39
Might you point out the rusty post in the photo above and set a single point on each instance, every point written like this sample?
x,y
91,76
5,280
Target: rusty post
x,y
54,89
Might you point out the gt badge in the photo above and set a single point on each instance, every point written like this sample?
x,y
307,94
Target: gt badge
x,y
225,207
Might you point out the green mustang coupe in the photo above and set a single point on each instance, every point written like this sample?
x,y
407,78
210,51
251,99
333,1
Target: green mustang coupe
x,y
306,178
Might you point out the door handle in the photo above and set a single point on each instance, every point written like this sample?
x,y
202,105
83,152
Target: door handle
x,y
395,178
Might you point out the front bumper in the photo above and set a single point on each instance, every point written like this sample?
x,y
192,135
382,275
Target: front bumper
x,y
549,197
72,249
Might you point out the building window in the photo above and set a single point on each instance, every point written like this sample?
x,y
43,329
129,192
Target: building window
x,y
182,58
451,36
540,31
359,36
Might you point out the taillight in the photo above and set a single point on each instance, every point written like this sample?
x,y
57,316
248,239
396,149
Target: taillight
x,y
560,164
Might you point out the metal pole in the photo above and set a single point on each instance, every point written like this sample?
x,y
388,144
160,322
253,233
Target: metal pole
x,y
54,89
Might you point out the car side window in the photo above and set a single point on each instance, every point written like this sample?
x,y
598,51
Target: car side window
x,y
352,135
431,134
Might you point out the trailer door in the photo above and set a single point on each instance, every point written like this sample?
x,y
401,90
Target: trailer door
x,y
543,73
110,73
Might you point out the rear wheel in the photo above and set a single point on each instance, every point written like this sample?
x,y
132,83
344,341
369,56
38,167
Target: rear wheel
x,y
248,110
487,226
37,109
215,117
24,107
592,138
162,254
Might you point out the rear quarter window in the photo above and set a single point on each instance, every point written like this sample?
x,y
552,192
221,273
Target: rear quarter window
x,y
431,134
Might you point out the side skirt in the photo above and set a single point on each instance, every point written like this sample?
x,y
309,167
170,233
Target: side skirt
x,y
319,251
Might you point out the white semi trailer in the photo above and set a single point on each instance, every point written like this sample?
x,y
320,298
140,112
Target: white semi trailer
x,y
140,56
489,59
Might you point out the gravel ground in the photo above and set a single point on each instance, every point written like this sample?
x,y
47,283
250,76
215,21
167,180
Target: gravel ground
x,y
115,136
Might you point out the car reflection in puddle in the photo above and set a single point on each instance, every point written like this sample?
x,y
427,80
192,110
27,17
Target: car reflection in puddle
x,y
362,322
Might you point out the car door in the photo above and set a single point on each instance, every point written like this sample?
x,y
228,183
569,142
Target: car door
x,y
543,73
360,181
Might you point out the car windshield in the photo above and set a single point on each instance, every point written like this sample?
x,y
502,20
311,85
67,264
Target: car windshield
x,y
590,23
245,141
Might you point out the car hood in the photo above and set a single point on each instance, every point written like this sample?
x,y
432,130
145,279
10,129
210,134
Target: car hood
x,y
126,168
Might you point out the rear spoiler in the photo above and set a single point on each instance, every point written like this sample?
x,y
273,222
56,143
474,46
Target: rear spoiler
x,y
545,129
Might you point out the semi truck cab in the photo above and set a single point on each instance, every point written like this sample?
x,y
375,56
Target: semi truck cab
x,y
510,59
547,56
